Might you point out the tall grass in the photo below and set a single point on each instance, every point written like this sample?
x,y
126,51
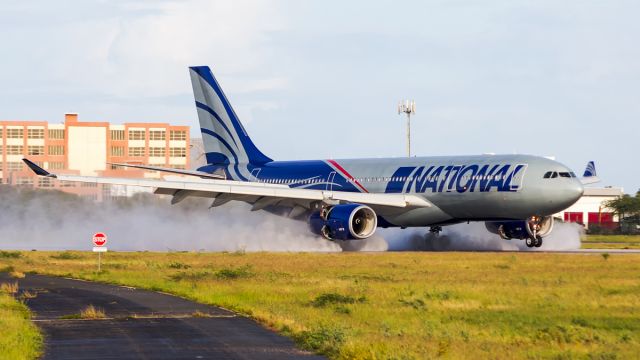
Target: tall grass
x,y
19,338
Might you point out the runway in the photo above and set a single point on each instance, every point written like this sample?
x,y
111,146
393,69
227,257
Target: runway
x,y
142,324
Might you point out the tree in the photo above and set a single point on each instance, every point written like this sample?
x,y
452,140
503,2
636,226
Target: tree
x,y
625,206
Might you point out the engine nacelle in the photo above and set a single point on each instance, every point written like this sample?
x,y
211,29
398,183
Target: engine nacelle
x,y
344,222
532,228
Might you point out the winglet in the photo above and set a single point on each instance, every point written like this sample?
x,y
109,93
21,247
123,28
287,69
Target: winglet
x,y
37,169
590,176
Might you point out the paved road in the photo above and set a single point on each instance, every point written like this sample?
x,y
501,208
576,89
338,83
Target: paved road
x,y
143,324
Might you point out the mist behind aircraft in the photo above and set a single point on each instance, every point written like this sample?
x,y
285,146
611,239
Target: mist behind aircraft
x,y
45,220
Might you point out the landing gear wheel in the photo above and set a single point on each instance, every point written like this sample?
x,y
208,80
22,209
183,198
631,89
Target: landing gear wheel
x,y
529,242
538,241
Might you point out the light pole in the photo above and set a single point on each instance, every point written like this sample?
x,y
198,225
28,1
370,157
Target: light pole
x,y
409,108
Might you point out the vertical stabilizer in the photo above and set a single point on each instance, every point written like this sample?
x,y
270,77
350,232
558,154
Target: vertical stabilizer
x,y
225,139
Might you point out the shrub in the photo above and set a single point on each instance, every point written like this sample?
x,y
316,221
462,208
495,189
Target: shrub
x,y
10,254
66,255
325,299
241,272
324,339
178,265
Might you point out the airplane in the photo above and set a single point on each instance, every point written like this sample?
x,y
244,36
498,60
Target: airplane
x,y
515,195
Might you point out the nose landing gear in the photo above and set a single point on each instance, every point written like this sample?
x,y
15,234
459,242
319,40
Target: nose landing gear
x,y
534,242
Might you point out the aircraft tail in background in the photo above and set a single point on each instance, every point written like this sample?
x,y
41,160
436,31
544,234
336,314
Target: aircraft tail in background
x,y
590,176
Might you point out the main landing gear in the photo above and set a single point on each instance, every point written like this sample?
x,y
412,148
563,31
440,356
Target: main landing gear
x,y
534,242
435,230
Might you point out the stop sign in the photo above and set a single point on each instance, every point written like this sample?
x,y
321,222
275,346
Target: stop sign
x,y
99,239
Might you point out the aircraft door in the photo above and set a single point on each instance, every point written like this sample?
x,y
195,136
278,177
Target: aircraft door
x,y
330,178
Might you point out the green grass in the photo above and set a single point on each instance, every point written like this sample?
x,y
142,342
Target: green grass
x,y
19,338
612,239
611,242
401,305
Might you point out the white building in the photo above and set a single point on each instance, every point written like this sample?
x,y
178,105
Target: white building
x,y
590,209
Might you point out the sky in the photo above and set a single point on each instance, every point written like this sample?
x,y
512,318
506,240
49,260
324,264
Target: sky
x,y
322,79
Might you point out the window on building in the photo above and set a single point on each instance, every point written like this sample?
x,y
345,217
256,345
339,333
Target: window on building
x,y
1,131
56,134
117,134
157,135
156,152
56,150
177,152
35,150
1,149
24,181
14,149
180,167
117,151
136,134
88,185
55,165
93,197
15,165
136,151
35,133
15,133
45,182
177,135
67,184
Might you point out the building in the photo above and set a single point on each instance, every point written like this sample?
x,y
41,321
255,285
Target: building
x,y
87,148
590,208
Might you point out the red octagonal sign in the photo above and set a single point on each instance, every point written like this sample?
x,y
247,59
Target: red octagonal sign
x,y
99,239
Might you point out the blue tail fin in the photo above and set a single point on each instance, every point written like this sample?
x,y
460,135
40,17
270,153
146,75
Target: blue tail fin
x,y
225,140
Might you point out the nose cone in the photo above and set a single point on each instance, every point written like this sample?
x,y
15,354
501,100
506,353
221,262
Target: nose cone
x,y
571,193
574,191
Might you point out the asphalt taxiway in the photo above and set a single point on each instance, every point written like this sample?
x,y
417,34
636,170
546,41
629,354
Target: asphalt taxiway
x,y
142,324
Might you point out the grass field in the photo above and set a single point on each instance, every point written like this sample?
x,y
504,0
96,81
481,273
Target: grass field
x,y
19,338
611,242
400,305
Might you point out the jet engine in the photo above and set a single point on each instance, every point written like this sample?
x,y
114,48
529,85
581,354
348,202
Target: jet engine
x,y
344,222
532,229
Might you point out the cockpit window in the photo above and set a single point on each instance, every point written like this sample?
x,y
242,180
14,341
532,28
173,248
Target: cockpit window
x,y
572,174
547,175
565,174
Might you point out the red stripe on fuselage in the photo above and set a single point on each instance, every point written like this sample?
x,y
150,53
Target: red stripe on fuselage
x,y
346,174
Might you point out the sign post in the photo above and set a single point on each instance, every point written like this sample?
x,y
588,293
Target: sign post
x,y
99,240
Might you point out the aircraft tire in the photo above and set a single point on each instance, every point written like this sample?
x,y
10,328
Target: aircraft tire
x,y
538,242
529,242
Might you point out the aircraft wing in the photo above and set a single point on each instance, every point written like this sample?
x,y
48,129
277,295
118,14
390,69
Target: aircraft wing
x,y
215,175
260,195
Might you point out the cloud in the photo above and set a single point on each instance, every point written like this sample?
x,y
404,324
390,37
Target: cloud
x,y
144,48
